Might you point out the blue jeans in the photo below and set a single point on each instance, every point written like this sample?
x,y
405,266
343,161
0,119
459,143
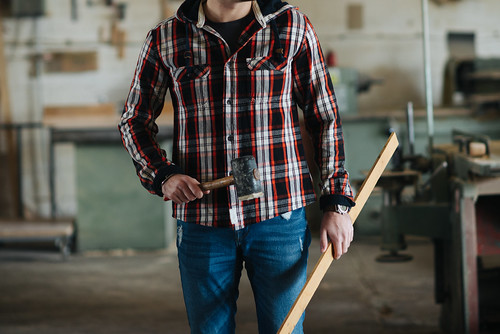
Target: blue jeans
x,y
274,253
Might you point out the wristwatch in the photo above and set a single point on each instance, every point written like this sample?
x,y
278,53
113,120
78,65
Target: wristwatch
x,y
342,209
166,179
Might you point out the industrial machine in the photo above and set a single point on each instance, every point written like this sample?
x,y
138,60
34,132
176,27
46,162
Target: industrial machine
x,y
452,197
454,200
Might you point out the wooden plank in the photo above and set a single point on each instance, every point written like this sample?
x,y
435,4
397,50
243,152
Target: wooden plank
x,y
5,9
6,117
484,98
96,116
118,39
326,258
35,229
105,109
485,75
442,2
71,62
121,43
469,265
355,16
4,84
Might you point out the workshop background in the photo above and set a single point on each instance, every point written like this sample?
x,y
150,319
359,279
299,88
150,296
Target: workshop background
x,y
85,249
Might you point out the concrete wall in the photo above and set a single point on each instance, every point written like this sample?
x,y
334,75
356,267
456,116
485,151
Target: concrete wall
x,y
58,31
388,46
91,31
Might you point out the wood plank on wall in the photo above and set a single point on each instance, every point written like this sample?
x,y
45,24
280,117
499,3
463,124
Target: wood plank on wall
x,y
10,174
70,62
94,116
355,16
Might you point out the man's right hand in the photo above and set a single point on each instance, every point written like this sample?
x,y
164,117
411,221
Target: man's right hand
x,y
182,188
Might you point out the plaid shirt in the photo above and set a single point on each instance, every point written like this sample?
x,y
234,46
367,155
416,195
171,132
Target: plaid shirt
x,y
228,105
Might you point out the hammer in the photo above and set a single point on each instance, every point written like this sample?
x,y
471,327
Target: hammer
x,y
245,176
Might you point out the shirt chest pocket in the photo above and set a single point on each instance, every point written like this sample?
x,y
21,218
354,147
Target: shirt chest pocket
x,y
191,87
187,74
268,63
268,78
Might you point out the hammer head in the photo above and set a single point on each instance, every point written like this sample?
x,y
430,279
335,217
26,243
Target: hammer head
x,y
247,178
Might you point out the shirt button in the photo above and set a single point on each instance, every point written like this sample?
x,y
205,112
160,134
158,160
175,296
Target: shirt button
x,y
229,102
230,138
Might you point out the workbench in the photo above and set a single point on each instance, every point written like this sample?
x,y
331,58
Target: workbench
x,y
113,210
21,230
458,209
61,233
471,257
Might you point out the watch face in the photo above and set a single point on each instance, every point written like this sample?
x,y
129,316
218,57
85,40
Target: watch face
x,y
342,209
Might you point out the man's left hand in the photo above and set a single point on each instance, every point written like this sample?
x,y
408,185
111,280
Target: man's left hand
x,y
338,229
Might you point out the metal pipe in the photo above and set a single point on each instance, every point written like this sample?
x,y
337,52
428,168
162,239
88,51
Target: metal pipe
x,y
20,205
36,146
436,171
74,10
52,178
427,67
411,128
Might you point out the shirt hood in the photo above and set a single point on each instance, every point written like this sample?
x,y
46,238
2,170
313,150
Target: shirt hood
x,y
189,8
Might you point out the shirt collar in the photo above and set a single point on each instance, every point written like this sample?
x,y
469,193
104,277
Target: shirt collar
x,y
255,7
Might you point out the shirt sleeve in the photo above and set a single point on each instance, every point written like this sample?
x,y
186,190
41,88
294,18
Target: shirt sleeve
x,y
143,106
315,95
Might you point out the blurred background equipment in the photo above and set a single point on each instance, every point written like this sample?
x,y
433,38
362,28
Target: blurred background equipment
x,y
476,81
67,186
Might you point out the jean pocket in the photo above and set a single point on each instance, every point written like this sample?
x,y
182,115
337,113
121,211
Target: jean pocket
x,y
286,215
295,214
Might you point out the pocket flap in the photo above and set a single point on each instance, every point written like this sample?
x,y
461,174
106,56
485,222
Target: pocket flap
x,y
187,73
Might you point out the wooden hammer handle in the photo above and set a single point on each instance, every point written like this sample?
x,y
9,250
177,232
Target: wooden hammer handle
x,y
216,184
326,258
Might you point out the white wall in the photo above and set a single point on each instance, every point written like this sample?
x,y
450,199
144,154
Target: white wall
x,y
389,46
57,31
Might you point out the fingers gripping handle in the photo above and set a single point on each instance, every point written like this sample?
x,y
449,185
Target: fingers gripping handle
x,y
214,184
247,180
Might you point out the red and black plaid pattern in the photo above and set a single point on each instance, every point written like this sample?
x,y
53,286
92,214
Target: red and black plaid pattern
x,y
231,105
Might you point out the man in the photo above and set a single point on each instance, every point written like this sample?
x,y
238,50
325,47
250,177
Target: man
x,y
237,72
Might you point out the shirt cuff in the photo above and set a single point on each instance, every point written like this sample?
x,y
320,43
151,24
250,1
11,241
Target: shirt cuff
x,y
328,200
162,174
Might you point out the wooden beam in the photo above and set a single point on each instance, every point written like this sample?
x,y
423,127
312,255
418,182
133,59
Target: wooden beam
x,y
4,84
442,2
6,117
70,62
35,229
326,258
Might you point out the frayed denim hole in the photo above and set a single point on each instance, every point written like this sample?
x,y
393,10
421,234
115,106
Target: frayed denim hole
x,y
179,235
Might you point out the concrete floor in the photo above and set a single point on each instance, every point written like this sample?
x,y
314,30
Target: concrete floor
x,y
140,293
